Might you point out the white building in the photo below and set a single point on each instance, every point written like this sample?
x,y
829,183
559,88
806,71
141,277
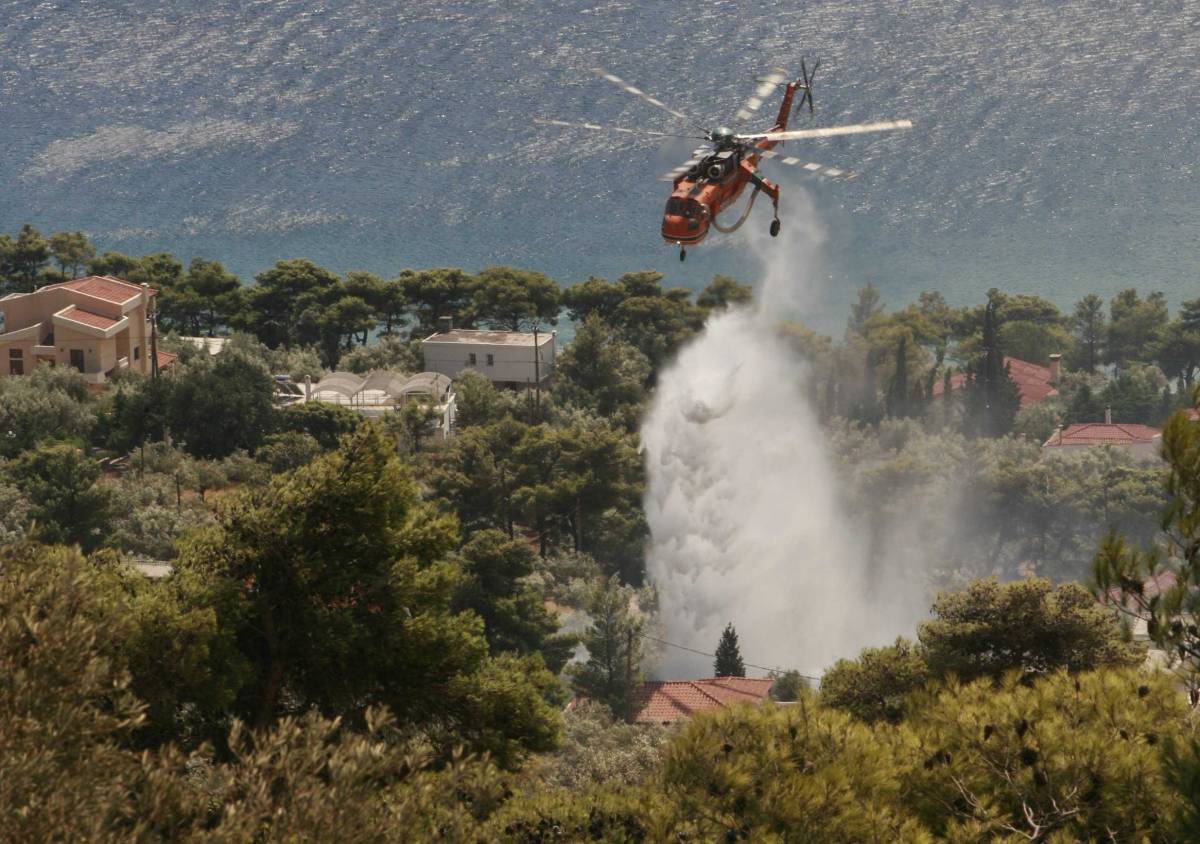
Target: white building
x,y
506,358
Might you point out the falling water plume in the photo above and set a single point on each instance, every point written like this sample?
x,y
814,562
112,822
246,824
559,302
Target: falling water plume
x,y
742,499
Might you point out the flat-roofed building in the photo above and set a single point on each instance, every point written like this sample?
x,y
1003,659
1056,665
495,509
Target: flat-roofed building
x,y
506,358
97,325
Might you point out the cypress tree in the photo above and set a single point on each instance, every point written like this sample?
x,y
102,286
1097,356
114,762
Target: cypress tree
x,y
728,657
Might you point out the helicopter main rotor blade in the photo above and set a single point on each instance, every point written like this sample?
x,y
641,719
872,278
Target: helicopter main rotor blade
x,y
766,84
829,131
642,95
596,127
811,166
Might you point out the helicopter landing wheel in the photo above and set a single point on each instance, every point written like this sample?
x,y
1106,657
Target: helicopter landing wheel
x,y
682,254
774,228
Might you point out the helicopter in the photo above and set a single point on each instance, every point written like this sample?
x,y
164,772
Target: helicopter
x,y
717,174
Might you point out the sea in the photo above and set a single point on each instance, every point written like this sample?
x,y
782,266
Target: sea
x,y
1054,148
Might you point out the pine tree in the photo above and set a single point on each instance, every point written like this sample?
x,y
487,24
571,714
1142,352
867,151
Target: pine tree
x,y
898,395
729,658
612,674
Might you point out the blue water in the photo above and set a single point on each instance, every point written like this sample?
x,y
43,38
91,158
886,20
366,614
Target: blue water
x,y
1055,149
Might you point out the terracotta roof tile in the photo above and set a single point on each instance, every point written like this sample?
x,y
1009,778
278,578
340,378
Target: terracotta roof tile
x,y
1033,381
661,702
1102,433
108,288
76,314
165,359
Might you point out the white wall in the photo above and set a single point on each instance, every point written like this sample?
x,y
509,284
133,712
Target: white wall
x,y
510,364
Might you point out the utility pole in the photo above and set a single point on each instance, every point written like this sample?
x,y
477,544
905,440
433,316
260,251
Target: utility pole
x,y
629,675
537,373
153,338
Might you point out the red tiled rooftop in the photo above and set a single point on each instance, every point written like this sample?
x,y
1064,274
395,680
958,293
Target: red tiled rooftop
x,y
1102,433
662,702
165,359
1033,381
76,314
104,287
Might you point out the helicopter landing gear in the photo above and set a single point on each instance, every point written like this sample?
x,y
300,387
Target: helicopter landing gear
x,y
775,227
682,254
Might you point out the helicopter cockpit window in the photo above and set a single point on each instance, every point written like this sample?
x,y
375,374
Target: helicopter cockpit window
x,y
684,208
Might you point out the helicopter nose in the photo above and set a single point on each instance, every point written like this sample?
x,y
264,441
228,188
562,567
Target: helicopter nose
x,y
679,229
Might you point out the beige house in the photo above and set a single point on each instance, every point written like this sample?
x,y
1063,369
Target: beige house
x,y
507,358
97,325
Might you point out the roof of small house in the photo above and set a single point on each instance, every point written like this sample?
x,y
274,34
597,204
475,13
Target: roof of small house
x,y
1032,380
106,287
490,338
77,314
1102,433
669,701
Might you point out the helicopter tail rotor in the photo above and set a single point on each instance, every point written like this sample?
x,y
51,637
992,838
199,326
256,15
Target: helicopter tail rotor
x,y
806,87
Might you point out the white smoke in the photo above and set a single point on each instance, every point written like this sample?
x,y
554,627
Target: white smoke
x,y
742,501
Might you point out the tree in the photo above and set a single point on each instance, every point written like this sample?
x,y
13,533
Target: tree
x,y
1179,352
1068,758
514,617
1027,625
436,293
728,658
869,305
594,297
723,292
1135,395
48,403
1034,342
602,373
480,403
876,686
509,298
67,504
898,393
72,250
65,706
1090,327
218,406
992,399
1161,584
116,264
24,259
326,423
775,773
612,674
218,292
1136,327
344,601
282,294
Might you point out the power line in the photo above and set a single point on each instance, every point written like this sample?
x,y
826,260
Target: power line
x,y
702,653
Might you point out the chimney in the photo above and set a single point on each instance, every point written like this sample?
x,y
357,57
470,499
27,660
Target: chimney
x,y
1055,367
445,324
1108,416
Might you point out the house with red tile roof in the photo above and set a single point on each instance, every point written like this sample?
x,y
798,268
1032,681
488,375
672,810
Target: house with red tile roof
x,y
665,702
1034,383
98,325
1142,441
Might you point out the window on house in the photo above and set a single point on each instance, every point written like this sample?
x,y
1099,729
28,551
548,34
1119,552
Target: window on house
x,y
471,358
77,359
16,353
491,360
16,366
137,352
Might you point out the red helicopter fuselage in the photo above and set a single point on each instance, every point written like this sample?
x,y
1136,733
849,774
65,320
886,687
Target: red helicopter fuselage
x,y
716,183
